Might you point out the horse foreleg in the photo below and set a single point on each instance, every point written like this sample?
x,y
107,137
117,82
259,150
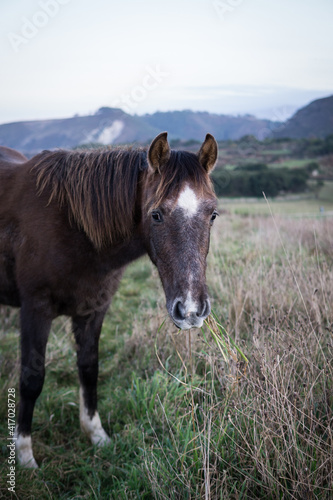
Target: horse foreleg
x,y
87,331
35,327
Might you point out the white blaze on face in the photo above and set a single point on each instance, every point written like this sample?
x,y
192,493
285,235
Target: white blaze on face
x,y
188,202
92,426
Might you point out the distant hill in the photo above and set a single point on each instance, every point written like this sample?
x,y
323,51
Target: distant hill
x,y
112,125
194,125
314,120
106,126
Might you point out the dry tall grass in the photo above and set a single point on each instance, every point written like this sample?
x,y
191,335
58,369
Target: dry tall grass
x,y
277,285
266,430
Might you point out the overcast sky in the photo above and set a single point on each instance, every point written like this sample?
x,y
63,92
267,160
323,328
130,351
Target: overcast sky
x,y
62,57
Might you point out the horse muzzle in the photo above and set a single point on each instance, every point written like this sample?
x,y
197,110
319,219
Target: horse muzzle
x,y
188,314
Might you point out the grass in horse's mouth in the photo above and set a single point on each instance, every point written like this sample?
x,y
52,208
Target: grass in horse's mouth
x,y
215,337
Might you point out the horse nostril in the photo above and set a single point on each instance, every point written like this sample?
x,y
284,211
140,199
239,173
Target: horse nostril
x,y
206,309
178,312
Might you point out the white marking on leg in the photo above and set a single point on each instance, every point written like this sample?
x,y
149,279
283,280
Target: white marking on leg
x,y
24,455
188,202
92,426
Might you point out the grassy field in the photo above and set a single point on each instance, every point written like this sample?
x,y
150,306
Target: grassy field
x,y
294,163
184,422
303,205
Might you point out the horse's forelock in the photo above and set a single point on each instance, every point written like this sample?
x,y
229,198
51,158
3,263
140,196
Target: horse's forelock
x,y
182,167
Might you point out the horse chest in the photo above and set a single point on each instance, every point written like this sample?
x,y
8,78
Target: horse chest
x,y
96,278
85,294
9,294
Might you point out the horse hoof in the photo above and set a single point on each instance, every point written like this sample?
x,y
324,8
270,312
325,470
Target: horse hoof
x,y
32,464
100,439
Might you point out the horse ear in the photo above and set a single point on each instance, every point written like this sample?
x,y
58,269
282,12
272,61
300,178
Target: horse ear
x,y
159,152
207,154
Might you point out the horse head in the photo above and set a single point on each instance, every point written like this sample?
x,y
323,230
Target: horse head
x,y
179,207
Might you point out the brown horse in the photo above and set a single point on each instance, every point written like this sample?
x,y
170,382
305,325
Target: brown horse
x,y
70,221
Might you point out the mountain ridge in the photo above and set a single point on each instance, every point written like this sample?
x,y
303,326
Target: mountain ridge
x,y
115,126
312,121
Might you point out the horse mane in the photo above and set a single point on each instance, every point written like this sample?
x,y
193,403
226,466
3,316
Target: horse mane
x,y
99,187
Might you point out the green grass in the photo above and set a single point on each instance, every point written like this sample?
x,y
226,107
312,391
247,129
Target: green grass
x,y
303,205
326,192
296,208
291,163
185,423
278,152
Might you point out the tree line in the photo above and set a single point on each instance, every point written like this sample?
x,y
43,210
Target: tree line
x,y
253,179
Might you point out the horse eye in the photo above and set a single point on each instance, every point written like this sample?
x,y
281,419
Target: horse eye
x,y
214,215
156,216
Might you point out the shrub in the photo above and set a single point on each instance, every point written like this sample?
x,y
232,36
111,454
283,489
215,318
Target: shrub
x,y
246,181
